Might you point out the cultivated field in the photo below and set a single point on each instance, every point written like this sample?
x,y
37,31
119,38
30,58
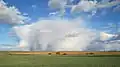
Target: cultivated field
x,y
66,53
42,59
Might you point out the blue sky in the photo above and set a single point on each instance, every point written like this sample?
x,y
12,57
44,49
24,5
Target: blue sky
x,y
39,9
25,6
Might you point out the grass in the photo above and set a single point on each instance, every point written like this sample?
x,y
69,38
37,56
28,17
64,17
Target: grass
x,y
57,61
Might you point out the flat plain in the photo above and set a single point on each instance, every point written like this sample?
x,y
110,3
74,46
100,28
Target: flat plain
x,y
45,60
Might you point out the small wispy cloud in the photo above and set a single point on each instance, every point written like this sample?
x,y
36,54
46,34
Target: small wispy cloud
x,y
117,9
53,13
34,6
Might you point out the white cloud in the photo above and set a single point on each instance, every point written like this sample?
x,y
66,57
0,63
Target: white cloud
x,y
22,32
11,48
53,13
108,4
75,42
112,46
59,34
57,13
10,14
92,6
116,8
34,6
25,14
84,6
58,5
105,36
104,1
63,35
56,30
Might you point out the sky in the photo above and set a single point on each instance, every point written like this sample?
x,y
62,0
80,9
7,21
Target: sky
x,y
97,14
34,8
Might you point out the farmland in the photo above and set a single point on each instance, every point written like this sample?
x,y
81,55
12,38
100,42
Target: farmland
x,y
42,59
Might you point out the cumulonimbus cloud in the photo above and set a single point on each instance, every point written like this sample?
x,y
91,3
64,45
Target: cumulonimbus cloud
x,y
62,35
51,34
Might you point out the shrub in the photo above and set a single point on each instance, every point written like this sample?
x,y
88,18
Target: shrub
x,y
49,53
57,53
64,54
89,53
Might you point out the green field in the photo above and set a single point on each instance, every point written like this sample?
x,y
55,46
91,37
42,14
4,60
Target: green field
x,y
57,61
